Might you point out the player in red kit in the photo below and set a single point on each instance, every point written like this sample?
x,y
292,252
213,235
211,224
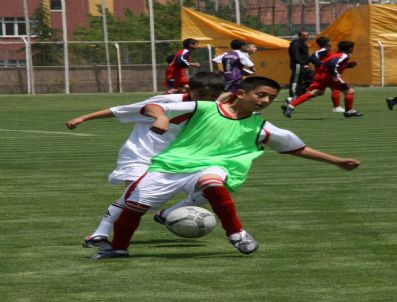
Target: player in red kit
x,y
176,78
329,75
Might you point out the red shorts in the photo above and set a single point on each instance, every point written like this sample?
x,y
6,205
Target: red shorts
x,y
323,81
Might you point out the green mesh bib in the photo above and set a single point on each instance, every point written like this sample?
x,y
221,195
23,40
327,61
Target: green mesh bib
x,y
209,139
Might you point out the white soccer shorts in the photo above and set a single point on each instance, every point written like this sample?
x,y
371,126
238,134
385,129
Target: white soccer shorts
x,y
156,188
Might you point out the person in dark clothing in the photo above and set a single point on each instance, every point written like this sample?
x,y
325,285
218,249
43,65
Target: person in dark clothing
x,y
302,74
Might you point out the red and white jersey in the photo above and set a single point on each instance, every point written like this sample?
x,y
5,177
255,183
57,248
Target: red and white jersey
x,y
280,140
142,144
176,70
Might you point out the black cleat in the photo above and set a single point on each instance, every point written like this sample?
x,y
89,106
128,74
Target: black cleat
x,y
96,242
391,102
353,113
287,110
158,218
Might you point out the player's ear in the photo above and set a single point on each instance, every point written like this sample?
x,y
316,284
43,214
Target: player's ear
x,y
240,93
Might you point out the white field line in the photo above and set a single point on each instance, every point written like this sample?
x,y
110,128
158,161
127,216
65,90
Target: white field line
x,y
48,132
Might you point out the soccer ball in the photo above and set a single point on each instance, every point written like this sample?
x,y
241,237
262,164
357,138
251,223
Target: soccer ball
x,y
190,222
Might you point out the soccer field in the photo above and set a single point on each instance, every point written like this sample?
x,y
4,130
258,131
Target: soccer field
x,y
325,234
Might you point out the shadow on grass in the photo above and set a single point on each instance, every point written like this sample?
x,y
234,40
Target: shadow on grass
x,y
170,243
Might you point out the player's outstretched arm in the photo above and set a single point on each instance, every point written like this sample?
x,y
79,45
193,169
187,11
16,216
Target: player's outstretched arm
x,y
105,113
161,124
310,153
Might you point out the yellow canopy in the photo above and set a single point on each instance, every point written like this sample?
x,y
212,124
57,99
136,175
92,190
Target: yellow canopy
x,y
218,32
369,26
272,62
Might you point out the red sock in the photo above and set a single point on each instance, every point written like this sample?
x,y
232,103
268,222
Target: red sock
x,y
335,98
124,228
349,99
301,99
223,206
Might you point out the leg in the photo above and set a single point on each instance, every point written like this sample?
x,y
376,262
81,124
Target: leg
x,y
335,98
288,109
105,226
222,204
349,100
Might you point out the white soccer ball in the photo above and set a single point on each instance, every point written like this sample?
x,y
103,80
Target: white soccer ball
x,y
190,222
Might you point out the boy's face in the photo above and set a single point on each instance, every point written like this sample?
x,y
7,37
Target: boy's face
x,y
258,98
193,46
204,94
250,48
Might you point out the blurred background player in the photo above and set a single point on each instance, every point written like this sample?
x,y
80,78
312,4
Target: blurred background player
x,y
302,74
176,70
329,75
391,102
169,76
135,155
317,59
236,63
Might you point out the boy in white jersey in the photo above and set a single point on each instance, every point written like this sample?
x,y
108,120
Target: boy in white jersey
x,y
215,162
136,153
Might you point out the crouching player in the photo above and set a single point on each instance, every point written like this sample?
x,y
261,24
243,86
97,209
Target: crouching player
x,y
213,154
135,155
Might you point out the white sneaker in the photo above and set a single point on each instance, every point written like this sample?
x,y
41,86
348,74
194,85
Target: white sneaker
x,y
338,109
243,242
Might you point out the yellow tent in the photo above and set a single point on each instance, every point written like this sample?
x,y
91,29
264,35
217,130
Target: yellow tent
x,y
271,60
370,27
373,28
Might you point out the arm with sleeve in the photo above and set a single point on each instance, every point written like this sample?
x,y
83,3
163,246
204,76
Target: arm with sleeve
x,y
280,140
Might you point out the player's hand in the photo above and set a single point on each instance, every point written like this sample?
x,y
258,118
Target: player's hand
x,y
195,64
160,126
74,122
352,64
348,164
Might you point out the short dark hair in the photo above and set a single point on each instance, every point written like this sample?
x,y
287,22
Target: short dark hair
x,y
300,33
251,83
322,41
345,45
237,44
203,79
187,42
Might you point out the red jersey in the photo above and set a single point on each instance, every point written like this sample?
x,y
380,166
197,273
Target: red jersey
x,y
176,71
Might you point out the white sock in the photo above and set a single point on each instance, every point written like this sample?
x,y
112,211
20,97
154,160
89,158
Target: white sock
x,y
237,236
106,224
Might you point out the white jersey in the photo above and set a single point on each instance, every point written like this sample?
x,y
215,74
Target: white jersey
x,y
142,144
244,58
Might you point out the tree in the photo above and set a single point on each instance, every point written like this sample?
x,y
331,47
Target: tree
x,y
45,54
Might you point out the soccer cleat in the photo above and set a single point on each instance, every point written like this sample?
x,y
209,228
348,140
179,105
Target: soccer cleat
x,y
338,109
96,241
246,244
158,218
353,113
112,253
287,110
391,102
289,99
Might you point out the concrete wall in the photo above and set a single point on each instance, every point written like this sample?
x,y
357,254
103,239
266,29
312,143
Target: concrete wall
x,y
84,79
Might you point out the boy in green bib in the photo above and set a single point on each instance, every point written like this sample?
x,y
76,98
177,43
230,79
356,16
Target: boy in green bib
x,y
212,154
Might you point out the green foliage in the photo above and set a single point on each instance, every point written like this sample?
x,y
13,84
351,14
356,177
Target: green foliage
x,y
45,54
